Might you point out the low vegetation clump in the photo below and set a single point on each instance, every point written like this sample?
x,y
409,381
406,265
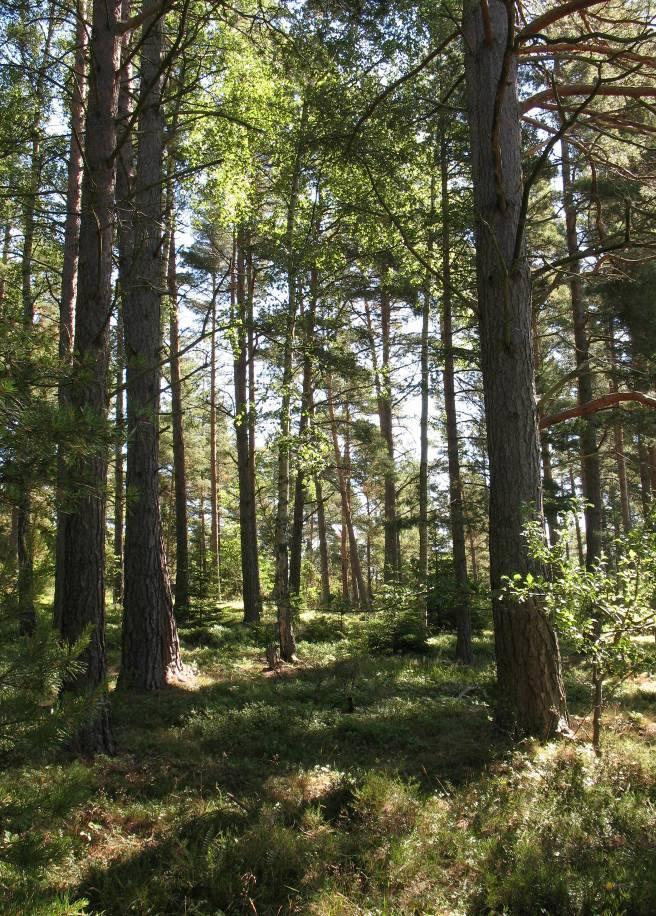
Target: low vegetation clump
x,y
345,784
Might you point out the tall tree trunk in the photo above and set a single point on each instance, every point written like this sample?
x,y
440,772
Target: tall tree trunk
x,y
252,423
69,273
242,293
25,533
326,597
346,504
425,386
531,694
150,646
392,568
6,245
83,604
181,595
618,437
464,653
283,600
296,546
119,470
214,485
590,465
645,475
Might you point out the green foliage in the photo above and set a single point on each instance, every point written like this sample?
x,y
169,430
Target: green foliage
x,y
34,714
321,629
396,623
603,611
244,791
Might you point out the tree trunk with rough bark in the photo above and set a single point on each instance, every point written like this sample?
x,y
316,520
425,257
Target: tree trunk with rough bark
x,y
326,597
346,504
25,533
425,392
69,273
300,485
119,468
531,697
618,438
242,292
150,646
590,465
181,591
215,555
464,652
282,594
83,604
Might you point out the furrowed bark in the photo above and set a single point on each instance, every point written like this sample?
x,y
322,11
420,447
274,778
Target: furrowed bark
x,y
531,694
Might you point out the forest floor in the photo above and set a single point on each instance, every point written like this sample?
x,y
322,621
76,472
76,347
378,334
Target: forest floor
x,y
341,785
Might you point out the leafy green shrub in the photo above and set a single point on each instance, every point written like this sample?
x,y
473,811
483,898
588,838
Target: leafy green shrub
x,y
602,611
396,624
34,714
443,599
321,629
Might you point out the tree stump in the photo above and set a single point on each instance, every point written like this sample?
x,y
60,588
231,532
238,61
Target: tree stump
x,y
273,656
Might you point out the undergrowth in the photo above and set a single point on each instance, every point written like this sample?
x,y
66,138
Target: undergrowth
x,y
347,784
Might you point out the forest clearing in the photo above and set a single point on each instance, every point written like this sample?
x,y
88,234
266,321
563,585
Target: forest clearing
x,y
328,457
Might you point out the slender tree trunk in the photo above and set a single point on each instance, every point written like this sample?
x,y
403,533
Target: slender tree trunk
x,y
241,295
177,419
392,567
6,245
577,524
69,273
531,694
150,647
296,545
590,465
119,471
344,559
346,505
283,601
423,423
202,563
326,597
252,423
25,533
645,475
83,604
464,652
214,486
618,438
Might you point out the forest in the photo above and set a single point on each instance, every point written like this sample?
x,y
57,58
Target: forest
x,y
328,457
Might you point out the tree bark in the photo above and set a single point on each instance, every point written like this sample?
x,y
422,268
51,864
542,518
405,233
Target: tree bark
x,y
282,594
618,437
181,598
119,469
83,605
25,534
346,504
590,465
296,546
69,273
392,565
464,652
531,694
423,422
326,597
150,646
214,486
242,292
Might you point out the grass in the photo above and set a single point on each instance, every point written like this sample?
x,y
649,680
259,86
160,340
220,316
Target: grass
x,y
343,785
